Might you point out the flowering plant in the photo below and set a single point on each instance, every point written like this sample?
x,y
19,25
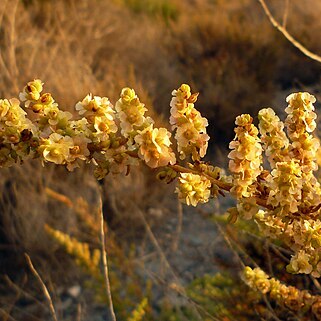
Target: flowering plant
x,y
271,170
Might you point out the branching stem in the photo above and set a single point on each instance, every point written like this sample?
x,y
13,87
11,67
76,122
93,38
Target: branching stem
x,y
287,35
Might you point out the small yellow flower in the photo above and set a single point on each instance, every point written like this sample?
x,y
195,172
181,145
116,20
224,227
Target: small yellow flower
x,y
300,263
154,147
31,92
131,112
56,117
4,107
273,137
243,120
95,106
185,134
56,148
127,95
102,128
247,208
79,151
193,189
6,159
286,186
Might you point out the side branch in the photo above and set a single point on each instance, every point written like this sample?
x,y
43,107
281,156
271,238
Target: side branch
x,y
286,34
224,186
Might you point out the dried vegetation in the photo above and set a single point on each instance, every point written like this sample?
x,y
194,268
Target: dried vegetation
x,y
226,49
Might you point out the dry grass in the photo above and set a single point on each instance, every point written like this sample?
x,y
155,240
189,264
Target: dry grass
x,y
225,49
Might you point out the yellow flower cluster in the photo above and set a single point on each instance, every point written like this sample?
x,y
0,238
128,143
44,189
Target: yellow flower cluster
x,y
56,137
32,92
301,116
131,113
287,296
16,133
273,137
285,187
247,208
153,144
288,190
189,124
245,157
112,138
193,189
100,116
302,236
300,124
272,226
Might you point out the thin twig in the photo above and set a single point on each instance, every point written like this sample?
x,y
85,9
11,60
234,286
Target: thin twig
x,y
228,242
179,290
29,316
105,262
44,288
316,283
260,238
286,13
16,299
164,258
179,226
273,315
156,244
278,252
6,315
286,34
2,61
268,255
12,46
26,294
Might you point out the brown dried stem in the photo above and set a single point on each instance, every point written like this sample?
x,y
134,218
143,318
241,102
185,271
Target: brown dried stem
x,y
105,263
287,35
44,288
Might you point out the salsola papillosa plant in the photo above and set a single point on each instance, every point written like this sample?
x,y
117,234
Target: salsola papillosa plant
x,y
284,198
286,296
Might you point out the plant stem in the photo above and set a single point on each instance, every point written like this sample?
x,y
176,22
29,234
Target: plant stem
x,y
105,262
44,288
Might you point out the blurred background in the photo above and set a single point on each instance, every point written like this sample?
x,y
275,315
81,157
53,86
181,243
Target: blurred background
x,y
167,262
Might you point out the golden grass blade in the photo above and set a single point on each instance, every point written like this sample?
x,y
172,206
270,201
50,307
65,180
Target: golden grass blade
x,y
44,288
